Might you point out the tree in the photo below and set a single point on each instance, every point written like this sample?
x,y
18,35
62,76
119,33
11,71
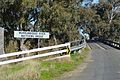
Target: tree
x,y
14,16
59,17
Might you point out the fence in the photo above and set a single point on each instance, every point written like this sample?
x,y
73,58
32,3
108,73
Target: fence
x,y
65,48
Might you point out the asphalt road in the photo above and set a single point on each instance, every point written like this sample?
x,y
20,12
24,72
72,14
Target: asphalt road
x,y
104,64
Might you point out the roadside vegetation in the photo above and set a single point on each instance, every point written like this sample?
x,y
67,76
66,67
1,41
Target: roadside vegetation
x,y
61,18
37,70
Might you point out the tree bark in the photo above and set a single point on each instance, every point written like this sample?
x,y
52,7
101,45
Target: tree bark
x,y
54,37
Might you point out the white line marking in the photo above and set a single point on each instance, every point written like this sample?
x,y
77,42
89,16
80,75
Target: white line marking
x,y
99,46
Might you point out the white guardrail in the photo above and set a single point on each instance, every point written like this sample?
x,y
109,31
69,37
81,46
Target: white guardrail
x,y
67,48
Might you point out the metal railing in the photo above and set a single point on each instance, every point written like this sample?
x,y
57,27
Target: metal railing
x,y
76,45
111,43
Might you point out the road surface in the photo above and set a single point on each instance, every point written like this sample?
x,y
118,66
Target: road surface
x,y
104,64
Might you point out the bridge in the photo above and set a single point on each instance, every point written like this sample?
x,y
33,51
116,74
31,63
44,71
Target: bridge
x,y
104,64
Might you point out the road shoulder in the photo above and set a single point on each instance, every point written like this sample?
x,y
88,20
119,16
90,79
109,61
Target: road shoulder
x,y
78,70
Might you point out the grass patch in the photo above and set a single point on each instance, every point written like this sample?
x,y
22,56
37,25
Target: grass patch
x,y
35,70
78,58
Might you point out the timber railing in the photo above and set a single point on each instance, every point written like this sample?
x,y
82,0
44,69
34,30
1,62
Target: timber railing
x,y
63,49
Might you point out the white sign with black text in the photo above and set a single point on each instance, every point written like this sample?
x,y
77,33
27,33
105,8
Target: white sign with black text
x,y
28,34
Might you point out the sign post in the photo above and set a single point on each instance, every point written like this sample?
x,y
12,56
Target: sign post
x,y
1,40
38,42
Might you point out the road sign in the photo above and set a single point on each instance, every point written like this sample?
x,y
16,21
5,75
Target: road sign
x,y
28,34
68,50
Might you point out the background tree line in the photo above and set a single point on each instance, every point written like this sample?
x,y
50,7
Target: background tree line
x,y
61,18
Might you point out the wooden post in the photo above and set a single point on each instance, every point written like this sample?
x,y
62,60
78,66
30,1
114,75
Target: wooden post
x,y
1,40
38,42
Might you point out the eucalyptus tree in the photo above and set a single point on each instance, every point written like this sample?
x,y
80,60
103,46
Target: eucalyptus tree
x,y
114,5
59,17
111,14
14,16
105,20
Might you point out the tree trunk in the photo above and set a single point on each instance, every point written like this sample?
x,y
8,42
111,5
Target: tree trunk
x,y
20,42
54,37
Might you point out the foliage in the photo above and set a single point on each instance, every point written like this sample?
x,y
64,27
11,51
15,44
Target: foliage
x,y
105,21
59,17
